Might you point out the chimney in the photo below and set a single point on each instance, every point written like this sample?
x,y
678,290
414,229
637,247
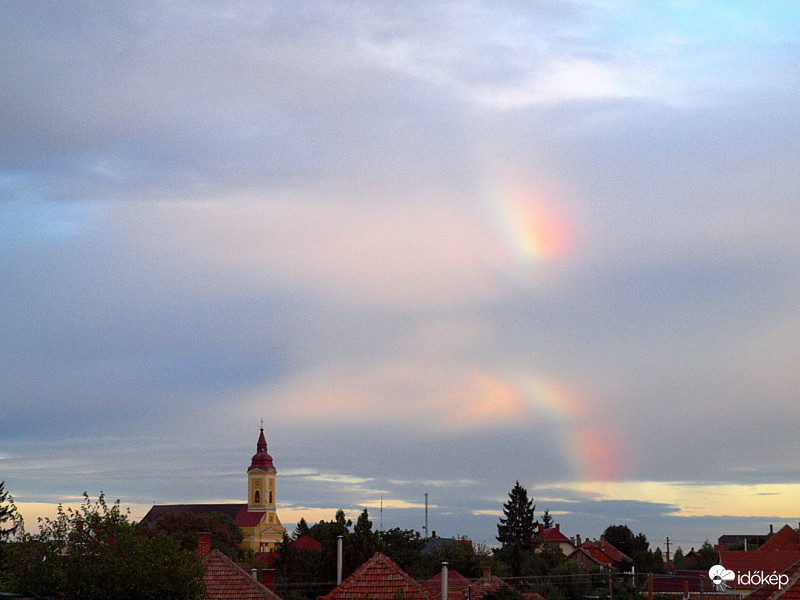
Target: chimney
x,y
685,590
487,575
268,579
558,527
577,540
602,540
433,533
203,543
770,529
445,581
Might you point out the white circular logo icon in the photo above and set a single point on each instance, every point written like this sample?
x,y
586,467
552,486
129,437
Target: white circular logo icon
x,y
720,574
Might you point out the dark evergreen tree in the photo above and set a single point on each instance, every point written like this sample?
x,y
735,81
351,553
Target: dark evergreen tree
x,y
516,529
10,520
363,541
301,529
547,520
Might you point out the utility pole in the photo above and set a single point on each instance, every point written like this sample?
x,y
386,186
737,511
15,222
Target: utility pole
x,y
668,554
426,514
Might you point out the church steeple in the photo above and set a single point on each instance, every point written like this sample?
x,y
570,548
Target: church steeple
x,y
261,459
263,530
261,480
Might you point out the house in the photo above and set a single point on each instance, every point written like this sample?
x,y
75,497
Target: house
x,y
790,590
225,580
378,579
553,536
777,555
683,581
257,518
458,586
434,543
594,555
592,559
488,583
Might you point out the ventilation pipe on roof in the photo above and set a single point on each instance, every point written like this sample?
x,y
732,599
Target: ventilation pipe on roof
x,y
339,560
444,580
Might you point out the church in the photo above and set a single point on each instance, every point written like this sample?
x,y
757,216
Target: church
x,y
258,518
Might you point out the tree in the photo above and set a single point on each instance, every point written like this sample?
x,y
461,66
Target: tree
x,y
226,535
10,519
678,560
403,546
622,538
547,520
707,557
301,529
517,529
363,542
94,552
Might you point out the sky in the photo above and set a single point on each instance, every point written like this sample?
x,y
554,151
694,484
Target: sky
x,y
438,247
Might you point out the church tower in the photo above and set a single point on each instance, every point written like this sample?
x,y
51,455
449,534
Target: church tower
x,y
266,530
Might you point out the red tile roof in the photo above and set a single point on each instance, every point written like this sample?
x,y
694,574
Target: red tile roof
x,y
378,579
553,534
740,561
306,542
487,583
227,581
457,586
791,591
785,539
608,549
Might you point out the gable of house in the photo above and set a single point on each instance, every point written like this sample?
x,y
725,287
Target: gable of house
x,y
786,539
225,580
378,579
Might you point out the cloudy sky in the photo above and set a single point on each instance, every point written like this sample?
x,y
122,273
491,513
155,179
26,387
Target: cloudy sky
x,y
437,247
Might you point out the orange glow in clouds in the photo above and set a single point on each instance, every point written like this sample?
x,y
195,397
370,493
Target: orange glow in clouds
x,y
533,226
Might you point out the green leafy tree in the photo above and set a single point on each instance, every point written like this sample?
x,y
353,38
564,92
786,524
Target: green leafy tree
x,y
516,529
226,535
678,560
403,546
94,553
623,539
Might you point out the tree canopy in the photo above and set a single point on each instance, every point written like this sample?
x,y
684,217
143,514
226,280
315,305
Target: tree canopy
x,y
517,528
95,552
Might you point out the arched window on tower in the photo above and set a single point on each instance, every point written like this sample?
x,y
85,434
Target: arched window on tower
x,y
257,497
270,497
